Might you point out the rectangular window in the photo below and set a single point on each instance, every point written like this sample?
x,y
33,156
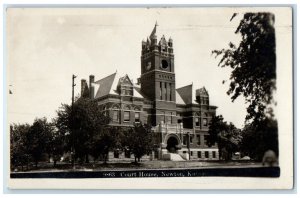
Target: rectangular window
x,y
166,92
204,121
198,140
170,91
116,116
191,139
197,123
136,117
184,139
191,153
126,116
206,154
214,154
169,118
160,91
184,151
116,154
206,140
199,154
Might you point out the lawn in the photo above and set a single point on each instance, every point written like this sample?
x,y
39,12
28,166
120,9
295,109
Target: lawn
x,y
127,165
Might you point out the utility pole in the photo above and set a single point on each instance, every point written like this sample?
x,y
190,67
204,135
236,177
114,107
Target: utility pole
x,y
73,85
72,118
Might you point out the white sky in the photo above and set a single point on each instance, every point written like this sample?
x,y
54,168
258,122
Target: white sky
x,y
46,46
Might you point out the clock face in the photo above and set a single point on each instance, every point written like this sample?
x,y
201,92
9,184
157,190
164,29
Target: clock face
x,y
148,66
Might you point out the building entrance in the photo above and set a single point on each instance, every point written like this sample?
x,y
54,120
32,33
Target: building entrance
x,y
171,144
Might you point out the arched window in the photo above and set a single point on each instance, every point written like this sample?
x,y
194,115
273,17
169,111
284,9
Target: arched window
x,y
127,107
115,107
136,108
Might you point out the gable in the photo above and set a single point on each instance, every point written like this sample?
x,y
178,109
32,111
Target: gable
x,y
125,81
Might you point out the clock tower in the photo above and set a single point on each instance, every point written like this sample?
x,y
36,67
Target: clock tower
x,y
158,77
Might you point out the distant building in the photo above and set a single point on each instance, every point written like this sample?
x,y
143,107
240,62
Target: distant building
x,y
180,117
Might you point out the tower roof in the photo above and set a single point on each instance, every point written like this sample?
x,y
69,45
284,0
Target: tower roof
x,y
153,33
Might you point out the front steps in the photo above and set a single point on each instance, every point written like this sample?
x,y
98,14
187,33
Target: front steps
x,y
172,157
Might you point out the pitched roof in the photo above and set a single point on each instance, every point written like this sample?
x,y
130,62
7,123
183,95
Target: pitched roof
x,y
186,93
179,100
105,85
137,92
109,84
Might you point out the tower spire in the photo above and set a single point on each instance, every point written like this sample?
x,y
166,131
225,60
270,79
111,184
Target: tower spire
x,y
153,33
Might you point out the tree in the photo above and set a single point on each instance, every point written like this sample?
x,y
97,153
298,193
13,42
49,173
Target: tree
x,y
81,124
108,140
63,125
253,64
56,146
19,155
38,139
139,140
227,136
260,137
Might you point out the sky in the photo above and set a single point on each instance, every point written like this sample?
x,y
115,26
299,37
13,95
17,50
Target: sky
x,y
46,46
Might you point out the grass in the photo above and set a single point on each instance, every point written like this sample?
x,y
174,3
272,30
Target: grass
x,y
127,165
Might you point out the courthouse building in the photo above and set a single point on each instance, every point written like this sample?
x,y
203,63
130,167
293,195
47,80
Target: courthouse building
x,y
179,116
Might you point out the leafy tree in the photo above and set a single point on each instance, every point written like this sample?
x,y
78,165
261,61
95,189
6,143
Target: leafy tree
x,y
260,137
81,125
19,155
139,140
253,63
56,146
227,136
38,138
63,125
108,140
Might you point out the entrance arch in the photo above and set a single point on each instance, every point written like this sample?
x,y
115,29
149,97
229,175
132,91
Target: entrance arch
x,y
172,142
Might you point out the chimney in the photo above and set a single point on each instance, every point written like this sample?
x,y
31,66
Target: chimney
x,y
198,96
83,83
92,79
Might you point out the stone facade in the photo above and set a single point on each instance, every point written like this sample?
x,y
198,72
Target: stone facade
x,y
179,117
